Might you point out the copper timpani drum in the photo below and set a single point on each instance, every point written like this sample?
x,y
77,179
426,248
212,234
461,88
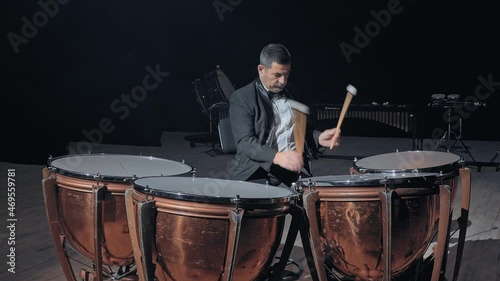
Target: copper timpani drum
x,y
356,219
450,166
445,163
205,229
85,203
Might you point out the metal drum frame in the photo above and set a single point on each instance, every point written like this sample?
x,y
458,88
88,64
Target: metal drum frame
x,y
86,211
355,219
180,234
428,162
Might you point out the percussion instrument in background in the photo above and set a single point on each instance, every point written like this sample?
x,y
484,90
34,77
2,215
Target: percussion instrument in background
x,y
438,97
299,120
450,167
212,89
438,100
452,101
355,220
186,228
85,204
453,97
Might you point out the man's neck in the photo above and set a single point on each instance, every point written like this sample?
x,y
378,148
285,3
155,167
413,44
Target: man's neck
x,y
263,85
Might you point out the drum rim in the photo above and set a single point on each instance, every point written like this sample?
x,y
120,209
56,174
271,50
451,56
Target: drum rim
x,y
438,96
447,170
176,195
416,179
108,178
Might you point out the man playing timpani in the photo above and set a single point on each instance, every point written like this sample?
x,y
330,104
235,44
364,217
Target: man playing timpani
x,y
268,128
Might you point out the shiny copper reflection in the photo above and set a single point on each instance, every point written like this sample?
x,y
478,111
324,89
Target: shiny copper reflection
x,y
75,210
350,227
191,238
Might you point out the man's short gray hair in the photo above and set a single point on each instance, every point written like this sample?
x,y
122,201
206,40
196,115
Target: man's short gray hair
x,y
274,53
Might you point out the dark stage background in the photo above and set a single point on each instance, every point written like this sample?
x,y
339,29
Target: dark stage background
x,y
69,66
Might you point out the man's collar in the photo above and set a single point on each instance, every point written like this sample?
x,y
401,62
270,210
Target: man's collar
x,y
270,94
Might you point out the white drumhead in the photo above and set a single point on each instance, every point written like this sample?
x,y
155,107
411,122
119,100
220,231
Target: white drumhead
x,y
372,179
117,166
410,160
438,96
210,189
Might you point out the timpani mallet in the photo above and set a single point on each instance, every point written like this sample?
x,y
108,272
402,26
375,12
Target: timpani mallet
x,y
351,91
299,119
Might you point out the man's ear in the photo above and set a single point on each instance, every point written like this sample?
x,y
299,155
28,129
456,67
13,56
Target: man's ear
x,y
260,69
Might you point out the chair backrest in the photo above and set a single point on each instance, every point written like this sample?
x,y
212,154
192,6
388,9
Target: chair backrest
x,y
226,136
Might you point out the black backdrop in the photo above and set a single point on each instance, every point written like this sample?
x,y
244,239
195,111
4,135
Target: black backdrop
x,y
68,64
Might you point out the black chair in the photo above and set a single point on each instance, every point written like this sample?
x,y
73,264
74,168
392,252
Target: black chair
x,y
226,136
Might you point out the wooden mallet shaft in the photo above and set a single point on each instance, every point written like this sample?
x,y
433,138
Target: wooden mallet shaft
x,y
299,119
351,91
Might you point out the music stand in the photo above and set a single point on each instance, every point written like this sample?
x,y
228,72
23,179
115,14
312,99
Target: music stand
x,y
447,136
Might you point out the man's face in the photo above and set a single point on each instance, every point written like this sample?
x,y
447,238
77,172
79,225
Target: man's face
x,y
275,77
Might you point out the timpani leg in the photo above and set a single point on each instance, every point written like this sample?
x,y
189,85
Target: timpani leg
x,y
440,250
49,194
386,201
146,231
97,198
465,175
132,225
310,199
235,217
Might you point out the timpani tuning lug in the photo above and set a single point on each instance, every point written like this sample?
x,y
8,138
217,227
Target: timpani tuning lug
x,y
310,184
147,192
236,201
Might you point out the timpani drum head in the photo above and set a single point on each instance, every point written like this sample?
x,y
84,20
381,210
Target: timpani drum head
x,y
212,190
372,179
421,161
116,167
438,97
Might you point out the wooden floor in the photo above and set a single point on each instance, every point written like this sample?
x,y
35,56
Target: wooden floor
x,y
35,257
